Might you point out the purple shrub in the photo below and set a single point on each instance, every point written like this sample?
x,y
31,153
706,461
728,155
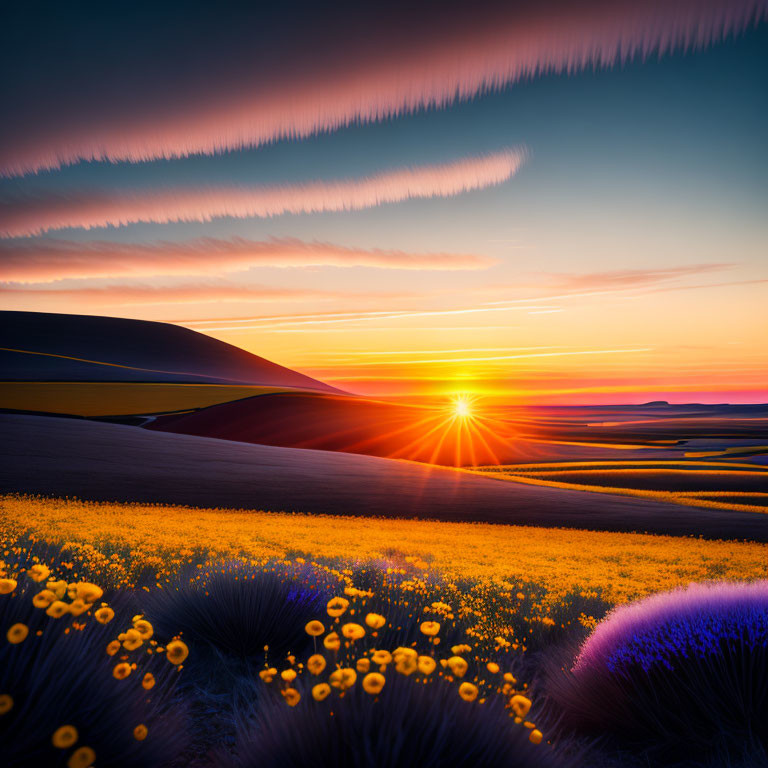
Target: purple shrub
x,y
678,673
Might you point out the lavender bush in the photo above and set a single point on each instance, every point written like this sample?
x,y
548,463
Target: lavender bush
x,y
679,673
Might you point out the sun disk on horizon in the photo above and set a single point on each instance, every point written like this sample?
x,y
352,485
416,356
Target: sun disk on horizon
x,y
462,408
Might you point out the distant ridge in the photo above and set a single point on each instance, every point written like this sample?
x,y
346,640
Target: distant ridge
x,y
44,346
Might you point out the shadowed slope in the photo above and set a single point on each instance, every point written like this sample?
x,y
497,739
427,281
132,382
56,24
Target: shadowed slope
x,y
434,433
53,347
430,434
98,461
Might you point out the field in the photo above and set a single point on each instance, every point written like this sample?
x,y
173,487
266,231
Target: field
x,y
258,607
114,462
715,484
219,603
93,399
619,566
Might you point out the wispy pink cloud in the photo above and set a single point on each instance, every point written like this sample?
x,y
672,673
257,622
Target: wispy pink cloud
x,y
133,294
33,215
54,259
622,279
354,68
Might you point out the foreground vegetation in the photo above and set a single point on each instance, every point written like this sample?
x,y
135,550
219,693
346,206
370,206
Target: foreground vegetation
x,y
159,636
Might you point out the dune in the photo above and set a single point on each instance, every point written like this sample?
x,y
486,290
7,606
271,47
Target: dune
x,y
113,462
38,346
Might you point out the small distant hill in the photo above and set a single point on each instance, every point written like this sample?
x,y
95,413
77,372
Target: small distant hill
x,y
39,346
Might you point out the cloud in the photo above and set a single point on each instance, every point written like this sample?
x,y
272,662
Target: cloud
x,y
554,286
623,279
183,293
206,82
35,214
71,295
53,259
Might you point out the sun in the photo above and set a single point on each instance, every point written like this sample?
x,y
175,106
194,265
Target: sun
x,y
462,408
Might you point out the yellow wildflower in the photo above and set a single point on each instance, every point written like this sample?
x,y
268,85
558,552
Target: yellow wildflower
x,y
38,572
7,586
382,658
352,631
363,665
375,620
87,592
520,705
148,681
332,641
314,628
267,675
17,633
406,660
468,691
430,628
291,696
59,588
321,691
426,665
57,609
131,639
81,758
535,737
457,650
6,703
374,682
43,599
458,666
336,606
78,607
140,732
122,670
343,678
289,675
144,628
316,664
64,737
176,651
104,615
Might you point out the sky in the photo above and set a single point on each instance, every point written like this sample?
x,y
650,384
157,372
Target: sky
x,y
539,202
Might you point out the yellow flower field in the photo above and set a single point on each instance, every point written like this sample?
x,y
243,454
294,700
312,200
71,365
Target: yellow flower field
x,y
622,566
87,398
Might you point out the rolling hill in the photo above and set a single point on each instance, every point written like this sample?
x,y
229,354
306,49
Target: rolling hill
x,y
98,461
37,346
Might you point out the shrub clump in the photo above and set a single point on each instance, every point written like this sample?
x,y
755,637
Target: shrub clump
x,y
680,673
238,610
406,723
71,693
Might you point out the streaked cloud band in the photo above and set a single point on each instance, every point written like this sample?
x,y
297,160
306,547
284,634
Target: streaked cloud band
x,y
87,209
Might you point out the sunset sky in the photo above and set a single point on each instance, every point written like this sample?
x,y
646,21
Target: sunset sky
x,y
547,202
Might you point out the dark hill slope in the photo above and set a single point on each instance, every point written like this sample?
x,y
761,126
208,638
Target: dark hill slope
x,y
116,349
90,460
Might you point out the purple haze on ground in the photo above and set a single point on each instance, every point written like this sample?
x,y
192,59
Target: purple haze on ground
x,y
691,621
